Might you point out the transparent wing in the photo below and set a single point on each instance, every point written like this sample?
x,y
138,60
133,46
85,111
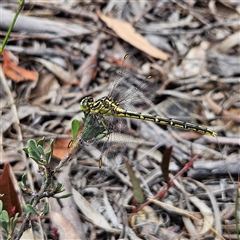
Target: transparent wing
x,y
128,69
114,147
127,88
106,133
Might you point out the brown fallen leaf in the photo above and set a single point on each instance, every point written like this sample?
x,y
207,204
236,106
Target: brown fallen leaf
x,y
9,196
14,72
60,149
126,31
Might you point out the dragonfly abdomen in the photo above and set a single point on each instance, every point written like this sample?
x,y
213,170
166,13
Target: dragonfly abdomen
x,y
166,121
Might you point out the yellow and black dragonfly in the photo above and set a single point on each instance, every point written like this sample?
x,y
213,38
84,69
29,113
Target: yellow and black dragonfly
x,y
105,115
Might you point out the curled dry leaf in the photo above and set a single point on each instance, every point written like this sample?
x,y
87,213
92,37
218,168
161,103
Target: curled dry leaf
x,y
126,31
14,72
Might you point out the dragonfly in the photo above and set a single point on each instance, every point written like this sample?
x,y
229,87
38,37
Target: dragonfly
x,y
108,111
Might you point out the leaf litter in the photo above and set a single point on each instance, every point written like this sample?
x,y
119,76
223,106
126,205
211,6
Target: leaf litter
x,y
194,57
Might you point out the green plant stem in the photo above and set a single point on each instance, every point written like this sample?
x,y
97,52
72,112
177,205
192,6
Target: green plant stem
x,y
20,4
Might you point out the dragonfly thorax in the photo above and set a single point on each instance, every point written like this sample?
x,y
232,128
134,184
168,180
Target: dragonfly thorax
x,y
86,104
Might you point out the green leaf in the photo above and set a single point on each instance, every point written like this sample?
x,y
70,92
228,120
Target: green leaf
x,y
1,206
31,143
24,179
4,225
22,186
49,153
15,220
4,217
59,188
40,142
75,128
137,190
12,223
31,200
41,151
46,208
4,220
63,196
35,156
30,209
33,150
25,149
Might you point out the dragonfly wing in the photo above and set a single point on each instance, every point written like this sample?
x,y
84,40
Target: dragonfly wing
x,y
115,145
128,89
128,70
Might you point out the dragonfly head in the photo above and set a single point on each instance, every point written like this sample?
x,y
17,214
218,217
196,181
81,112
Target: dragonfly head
x,y
85,104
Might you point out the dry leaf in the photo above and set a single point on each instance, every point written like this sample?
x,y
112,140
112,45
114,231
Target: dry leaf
x,y
230,42
14,72
93,215
87,72
125,31
63,75
64,226
227,115
167,154
61,147
193,63
9,194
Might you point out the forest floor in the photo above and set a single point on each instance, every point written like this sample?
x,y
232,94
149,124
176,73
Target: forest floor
x,y
171,183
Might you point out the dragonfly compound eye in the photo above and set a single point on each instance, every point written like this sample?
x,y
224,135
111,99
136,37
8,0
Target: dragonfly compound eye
x,y
85,104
